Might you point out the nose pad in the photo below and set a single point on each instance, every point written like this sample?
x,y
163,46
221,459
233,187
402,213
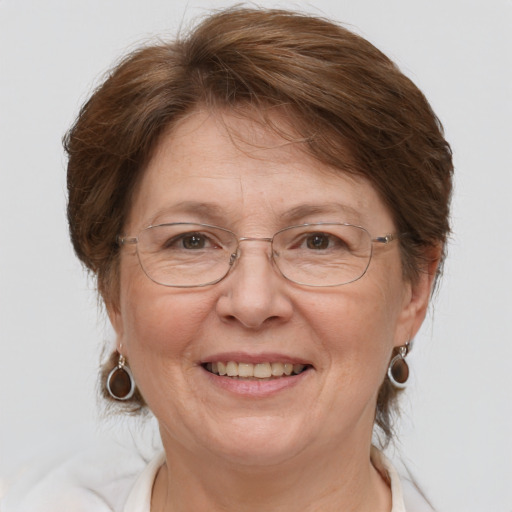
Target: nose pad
x,y
234,256
233,259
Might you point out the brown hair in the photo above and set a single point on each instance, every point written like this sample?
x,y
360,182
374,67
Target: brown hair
x,y
339,92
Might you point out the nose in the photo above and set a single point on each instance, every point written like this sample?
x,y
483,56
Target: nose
x,y
254,293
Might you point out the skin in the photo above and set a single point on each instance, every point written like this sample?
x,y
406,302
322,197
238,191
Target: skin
x,y
306,446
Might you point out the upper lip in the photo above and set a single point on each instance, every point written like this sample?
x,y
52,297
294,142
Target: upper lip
x,y
244,357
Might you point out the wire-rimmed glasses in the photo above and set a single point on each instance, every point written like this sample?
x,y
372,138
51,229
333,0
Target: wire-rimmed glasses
x,y
186,255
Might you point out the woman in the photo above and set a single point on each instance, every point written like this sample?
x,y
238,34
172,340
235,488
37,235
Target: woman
x,y
265,205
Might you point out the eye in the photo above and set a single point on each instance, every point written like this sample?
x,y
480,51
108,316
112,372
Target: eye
x,y
318,241
194,241
340,239
189,241
325,241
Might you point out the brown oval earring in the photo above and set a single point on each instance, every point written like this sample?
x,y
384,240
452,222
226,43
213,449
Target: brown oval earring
x,y
398,370
120,383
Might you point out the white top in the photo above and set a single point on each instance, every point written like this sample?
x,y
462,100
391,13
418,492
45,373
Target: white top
x,y
119,480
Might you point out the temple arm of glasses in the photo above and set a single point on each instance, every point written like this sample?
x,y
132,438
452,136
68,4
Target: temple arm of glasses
x,y
121,240
386,239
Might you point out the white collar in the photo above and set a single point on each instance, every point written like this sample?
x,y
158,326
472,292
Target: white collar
x,y
139,499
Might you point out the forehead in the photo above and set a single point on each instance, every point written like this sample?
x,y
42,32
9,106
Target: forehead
x,y
222,168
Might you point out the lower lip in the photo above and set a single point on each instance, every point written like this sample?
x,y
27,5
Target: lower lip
x,y
256,388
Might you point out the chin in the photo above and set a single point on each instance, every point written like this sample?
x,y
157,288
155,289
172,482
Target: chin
x,y
259,441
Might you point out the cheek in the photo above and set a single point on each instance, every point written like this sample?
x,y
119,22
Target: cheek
x,y
161,330
159,325
356,327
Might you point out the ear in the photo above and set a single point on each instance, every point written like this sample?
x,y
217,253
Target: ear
x,y
417,297
116,320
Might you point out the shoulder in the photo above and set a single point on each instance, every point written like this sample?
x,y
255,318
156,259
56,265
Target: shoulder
x,y
406,495
414,499
98,480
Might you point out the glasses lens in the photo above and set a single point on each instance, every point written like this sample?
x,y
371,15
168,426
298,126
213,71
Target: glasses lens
x,y
322,254
185,255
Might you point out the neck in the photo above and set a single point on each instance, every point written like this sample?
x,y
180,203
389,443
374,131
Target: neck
x,y
331,481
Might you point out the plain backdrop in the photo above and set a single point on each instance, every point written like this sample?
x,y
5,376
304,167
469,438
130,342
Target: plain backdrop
x,y
455,432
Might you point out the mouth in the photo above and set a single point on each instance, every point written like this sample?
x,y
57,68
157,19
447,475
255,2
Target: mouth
x,y
255,371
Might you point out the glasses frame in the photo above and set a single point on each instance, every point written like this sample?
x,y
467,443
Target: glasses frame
x,y
134,240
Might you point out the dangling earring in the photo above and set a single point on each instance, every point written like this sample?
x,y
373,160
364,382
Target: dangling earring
x,y
120,383
398,370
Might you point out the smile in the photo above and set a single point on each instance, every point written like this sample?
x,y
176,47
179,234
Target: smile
x,y
255,371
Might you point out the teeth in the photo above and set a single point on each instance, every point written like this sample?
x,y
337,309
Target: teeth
x,y
245,370
277,369
297,368
231,369
258,370
262,370
221,368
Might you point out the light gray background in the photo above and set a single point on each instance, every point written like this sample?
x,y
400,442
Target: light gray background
x,y
456,428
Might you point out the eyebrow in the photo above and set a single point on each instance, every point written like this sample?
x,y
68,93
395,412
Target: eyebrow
x,y
210,211
216,214
306,210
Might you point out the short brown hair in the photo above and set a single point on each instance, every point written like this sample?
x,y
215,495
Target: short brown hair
x,y
339,92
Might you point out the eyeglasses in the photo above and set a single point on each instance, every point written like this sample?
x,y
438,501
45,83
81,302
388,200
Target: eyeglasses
x,y
187,255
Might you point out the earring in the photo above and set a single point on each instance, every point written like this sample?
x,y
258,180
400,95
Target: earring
x,y
120,383
398,370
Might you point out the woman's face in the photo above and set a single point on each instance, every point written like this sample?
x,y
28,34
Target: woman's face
x,y
255,185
